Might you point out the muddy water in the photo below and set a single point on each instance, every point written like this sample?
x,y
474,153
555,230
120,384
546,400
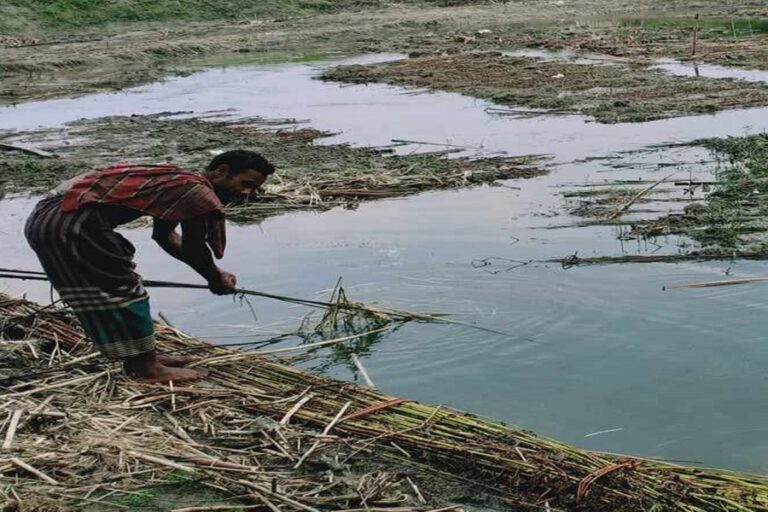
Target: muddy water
x,y
600,357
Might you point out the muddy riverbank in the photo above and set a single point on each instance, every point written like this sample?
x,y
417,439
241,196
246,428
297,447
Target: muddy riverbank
x,y
55,63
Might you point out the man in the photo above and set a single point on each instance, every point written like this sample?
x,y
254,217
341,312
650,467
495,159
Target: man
x,y
91,266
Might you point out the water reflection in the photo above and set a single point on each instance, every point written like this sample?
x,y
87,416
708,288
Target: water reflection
x,y
591,348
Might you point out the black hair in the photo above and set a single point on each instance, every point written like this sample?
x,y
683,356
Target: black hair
x,y
239,160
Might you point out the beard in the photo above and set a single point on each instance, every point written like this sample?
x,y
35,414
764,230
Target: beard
x,y
225,195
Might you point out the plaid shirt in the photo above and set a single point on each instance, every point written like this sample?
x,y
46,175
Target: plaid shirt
x,y
164,192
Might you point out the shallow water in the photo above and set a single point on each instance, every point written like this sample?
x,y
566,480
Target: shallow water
x,y
676,67
597,356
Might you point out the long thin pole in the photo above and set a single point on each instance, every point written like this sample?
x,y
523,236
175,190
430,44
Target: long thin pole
x,y
31,275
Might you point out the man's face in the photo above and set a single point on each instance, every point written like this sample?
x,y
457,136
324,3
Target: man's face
x,y
238,187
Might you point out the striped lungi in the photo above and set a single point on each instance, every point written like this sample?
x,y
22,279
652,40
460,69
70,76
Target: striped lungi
x,y
91,267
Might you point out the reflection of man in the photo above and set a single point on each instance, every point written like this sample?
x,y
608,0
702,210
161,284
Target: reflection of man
x,y
92,268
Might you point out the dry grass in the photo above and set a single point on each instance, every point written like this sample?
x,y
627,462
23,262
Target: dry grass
x,y
85,430
310,176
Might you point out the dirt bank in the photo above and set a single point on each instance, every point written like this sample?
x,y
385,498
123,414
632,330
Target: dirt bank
x,y
48,64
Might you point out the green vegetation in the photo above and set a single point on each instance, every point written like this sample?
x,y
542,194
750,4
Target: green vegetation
x,y
29,16
310,176
732,218
72,14
174,490
610,94
20,172
734,214
709,27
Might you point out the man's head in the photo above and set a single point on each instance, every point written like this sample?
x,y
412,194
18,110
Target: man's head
x,y
237,174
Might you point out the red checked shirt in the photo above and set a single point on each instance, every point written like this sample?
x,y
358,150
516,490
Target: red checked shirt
x,y
165,192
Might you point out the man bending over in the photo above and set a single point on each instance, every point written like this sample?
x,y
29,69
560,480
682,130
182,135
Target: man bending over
x,y
91,266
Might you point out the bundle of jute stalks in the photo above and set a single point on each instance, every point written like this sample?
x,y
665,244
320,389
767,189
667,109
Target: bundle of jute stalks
x,y
267,434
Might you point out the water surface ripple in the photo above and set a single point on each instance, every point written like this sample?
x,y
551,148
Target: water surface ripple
x,y
596,356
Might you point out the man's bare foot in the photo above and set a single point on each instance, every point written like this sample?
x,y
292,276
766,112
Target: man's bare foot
x,y
163,374
149,368
175,361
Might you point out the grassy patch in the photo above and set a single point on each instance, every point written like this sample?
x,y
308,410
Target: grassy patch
x,y
733,215
62,48
709,27
76,14
37,15
310,176
21,173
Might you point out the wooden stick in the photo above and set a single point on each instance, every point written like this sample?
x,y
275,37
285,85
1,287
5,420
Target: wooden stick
x,y
280,497
362,370
296,408
417,491
319,344
161,461
12,429
404,315
726,282
405,141
58,385
695,36
216,507
42,476
164,319
24,149
271,506
327,429
637,196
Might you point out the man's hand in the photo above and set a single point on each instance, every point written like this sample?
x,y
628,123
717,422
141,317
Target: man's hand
x,y
222,283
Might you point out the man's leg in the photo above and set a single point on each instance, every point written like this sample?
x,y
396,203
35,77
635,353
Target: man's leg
x,y
117,321
127,333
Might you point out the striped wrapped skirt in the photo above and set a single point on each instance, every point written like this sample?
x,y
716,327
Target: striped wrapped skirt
x,y
91,267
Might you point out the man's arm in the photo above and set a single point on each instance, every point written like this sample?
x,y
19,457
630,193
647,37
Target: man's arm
x,y
164,233
191,248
